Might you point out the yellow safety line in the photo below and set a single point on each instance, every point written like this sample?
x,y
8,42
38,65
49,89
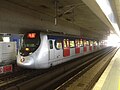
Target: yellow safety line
x,y
119,84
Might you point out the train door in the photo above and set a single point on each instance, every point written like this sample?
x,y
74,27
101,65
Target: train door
x,y
99,45
91,45
81,46
77,46
66,48
58,50
51,50
72,47
85,46
95,45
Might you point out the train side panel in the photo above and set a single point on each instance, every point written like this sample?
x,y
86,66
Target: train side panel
x,y
41,56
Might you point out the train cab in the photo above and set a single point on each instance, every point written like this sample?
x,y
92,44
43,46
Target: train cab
x,y
29,44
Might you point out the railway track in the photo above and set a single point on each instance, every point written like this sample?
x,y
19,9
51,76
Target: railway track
x,y
85,81
82,68
31,79
17,76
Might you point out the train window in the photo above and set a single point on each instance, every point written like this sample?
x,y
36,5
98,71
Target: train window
x,y
77,43
66,43
72,44
58,44
91,43
87,43
30,43
95,43
51,44
81,42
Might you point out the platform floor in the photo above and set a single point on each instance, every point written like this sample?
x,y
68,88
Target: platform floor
x,y
110,79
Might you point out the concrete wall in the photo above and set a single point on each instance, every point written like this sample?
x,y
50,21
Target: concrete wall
x,y
18,19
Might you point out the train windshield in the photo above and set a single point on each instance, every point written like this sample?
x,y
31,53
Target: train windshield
x,y
29,43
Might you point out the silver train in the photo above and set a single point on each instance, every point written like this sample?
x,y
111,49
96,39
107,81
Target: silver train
x,y
40,50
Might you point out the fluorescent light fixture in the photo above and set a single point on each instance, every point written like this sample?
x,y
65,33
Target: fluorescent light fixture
x,y
107,10
6,39
113,40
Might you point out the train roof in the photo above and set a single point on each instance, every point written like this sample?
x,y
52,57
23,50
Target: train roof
x,y
60,35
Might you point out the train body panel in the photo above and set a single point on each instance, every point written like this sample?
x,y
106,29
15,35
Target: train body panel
x,y
52,50
81,50
42,53
87,48
77,50
72,52
28,61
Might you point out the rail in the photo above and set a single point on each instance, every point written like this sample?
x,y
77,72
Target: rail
x,y
44,79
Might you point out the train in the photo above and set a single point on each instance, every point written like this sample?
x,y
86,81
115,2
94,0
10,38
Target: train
x,y
39,50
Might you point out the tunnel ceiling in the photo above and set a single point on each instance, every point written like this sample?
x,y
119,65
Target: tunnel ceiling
x,y
71,11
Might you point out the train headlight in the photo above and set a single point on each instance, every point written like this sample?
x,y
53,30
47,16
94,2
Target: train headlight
x,y
30,53
27,49
22,59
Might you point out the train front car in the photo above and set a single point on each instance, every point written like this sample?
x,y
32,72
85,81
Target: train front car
x,y
33,52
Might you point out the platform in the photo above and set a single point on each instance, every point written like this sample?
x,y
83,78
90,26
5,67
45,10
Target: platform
x,y
110,79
